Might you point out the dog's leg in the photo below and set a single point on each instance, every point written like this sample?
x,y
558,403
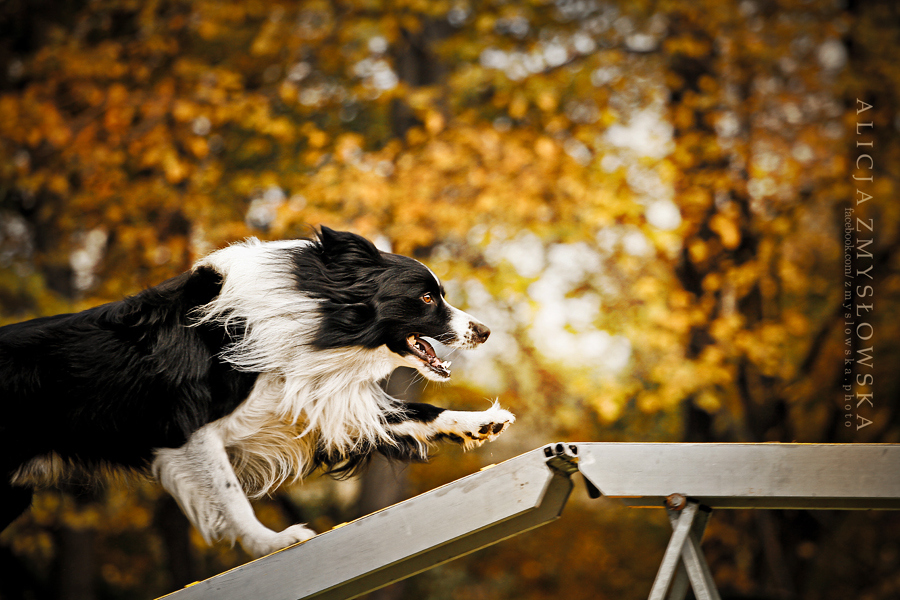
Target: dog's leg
x,y
200,477
426,423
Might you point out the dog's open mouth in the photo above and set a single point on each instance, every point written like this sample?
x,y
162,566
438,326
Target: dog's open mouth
x,y
424,352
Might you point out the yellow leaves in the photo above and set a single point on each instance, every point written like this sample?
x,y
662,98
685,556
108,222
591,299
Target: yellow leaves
x,y
689,46
269,39
708,85
609,409
518,106
31,121
10,108
102,61
442,156
487,142
198,146
683,117
117,120
154,150
58,184
608,118
649,288
416,136
207,29
409,21
316,138
316,20
698,250
484,23
767,347
708,402
678,379
556,125
547,101
546,148
727,229
434,122
288,92
184,111
282,129
724,328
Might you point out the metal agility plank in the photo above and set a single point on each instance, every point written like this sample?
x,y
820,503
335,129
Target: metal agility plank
x,y
532,489
400,541
815,476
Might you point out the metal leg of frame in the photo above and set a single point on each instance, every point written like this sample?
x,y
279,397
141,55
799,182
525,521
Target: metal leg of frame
x,y
693,568
681,583
683,563
672,557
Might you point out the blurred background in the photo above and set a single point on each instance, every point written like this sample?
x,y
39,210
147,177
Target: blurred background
x,y
679,218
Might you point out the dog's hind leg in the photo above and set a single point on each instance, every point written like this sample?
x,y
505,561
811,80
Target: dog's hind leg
x,y
202,480
426,423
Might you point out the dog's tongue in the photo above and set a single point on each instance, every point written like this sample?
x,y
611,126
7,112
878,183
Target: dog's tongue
x,y
427,354
425,347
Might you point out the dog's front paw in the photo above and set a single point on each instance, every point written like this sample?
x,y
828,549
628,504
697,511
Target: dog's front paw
x,y
260,545
472,429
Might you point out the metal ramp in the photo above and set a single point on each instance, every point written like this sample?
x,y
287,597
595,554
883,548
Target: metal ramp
x,y
527,491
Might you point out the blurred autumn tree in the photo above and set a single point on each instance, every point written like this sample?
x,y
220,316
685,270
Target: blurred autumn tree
x,y
646,200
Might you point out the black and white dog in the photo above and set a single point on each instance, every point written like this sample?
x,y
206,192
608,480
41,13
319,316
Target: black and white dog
x,y
256,367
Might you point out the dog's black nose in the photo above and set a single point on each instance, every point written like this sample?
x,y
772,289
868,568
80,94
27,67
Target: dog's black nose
x,y
480,332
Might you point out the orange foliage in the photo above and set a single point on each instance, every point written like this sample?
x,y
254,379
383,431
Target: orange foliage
x,y
645,199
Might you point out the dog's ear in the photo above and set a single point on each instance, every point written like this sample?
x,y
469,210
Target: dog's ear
x,y
349,319
337,246
203,284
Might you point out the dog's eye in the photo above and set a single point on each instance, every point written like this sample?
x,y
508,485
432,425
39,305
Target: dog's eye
x,y
427,299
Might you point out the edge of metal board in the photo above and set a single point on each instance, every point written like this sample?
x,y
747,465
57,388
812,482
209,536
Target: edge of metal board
x,y
435,527
549,510
730,475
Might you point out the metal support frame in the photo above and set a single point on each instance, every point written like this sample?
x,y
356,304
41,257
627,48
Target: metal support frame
x,y
683,563
527,491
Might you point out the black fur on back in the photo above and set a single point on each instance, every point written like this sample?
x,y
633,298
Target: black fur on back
x,y
110,384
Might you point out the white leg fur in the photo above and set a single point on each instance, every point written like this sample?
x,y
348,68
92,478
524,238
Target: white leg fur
x,y
200,477
471,428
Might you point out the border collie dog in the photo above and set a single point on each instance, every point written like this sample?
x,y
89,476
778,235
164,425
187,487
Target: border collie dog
x,y
258,366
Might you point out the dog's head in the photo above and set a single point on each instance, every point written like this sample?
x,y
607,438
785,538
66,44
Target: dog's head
x,y
371,298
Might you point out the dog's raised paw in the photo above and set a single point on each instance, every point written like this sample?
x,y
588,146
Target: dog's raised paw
x,y
500,419
472,429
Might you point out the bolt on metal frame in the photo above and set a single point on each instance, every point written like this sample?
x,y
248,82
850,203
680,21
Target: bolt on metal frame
x,y
689,480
